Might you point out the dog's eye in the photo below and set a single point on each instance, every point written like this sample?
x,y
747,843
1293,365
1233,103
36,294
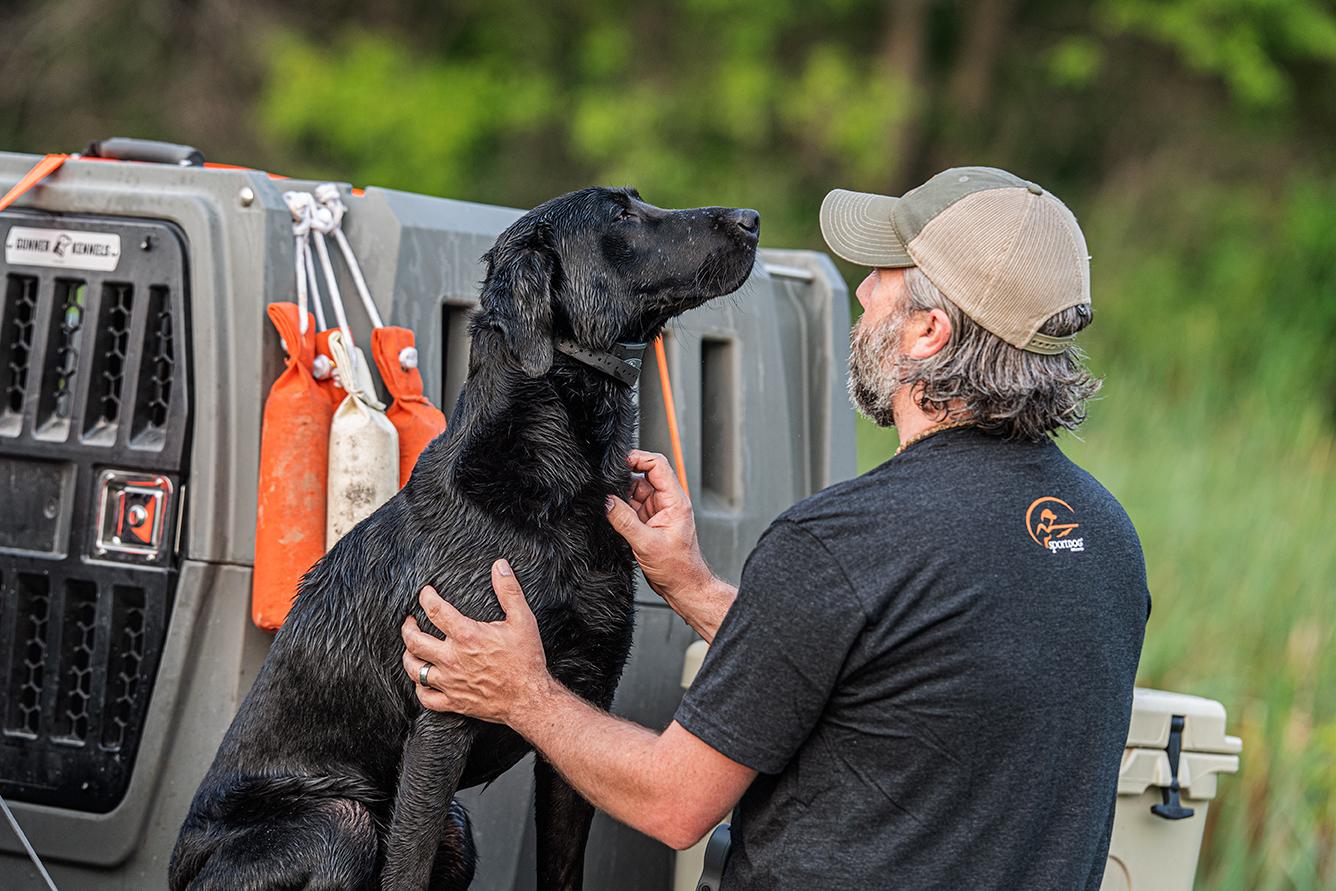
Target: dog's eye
x,y
626,214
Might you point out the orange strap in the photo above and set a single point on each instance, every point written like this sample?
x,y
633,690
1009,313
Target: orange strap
x,y
670,412
40,171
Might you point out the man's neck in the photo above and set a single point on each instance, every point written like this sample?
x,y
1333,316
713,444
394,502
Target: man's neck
x,y
911,421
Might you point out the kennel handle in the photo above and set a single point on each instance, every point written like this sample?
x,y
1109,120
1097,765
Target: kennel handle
x,y
124,148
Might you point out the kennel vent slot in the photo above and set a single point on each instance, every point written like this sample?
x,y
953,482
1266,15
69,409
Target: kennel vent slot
x,y
16,339
720,461
77,643
56,403
455,349
28,668
110,355
157,369
124,664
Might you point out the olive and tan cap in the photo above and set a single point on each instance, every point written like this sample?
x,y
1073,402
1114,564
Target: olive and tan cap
x,y
1005,251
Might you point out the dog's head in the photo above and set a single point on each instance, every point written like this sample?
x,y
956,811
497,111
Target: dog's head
x,y
601,266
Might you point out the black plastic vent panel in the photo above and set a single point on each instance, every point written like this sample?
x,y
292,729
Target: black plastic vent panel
x,y
94,377
84,652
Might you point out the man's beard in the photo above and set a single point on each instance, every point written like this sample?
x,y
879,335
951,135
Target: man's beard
x,y
875,366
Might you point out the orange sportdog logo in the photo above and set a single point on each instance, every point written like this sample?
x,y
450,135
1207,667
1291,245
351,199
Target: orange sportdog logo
x,y
1042,522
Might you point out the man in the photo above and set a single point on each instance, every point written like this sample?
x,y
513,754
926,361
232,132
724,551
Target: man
x,y
925,677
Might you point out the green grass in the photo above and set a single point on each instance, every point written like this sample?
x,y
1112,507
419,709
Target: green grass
x,y
1236,513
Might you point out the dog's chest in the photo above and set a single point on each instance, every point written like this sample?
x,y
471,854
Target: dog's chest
x,y
587,631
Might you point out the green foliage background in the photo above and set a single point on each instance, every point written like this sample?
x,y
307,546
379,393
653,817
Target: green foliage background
x,y
1193,138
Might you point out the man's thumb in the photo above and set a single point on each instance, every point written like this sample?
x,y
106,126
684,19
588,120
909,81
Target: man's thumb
x,y
622,517
507,588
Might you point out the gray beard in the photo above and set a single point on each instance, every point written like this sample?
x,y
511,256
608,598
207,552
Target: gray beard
x,y
875,365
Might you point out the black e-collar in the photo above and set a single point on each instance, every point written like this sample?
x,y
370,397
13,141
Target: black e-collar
x,y
621,363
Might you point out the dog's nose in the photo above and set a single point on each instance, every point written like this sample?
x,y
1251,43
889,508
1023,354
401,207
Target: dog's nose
x,y
748,221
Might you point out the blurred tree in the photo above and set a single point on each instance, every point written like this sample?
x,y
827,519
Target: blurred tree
x,y
1247,43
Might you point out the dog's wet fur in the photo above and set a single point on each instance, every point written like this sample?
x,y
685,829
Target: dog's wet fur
x,y
332,775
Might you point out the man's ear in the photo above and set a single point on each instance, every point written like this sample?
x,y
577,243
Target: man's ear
x,y
517,294
931,332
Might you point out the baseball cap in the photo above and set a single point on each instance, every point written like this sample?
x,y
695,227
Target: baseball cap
x,y
1003,249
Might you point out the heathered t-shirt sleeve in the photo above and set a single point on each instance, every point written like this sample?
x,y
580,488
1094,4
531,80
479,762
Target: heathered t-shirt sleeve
x,y
778,654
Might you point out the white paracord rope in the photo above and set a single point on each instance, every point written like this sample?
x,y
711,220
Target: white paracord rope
x,y
27,845
322,221
299,206
321,366
328,195
313,285
312,222
302,207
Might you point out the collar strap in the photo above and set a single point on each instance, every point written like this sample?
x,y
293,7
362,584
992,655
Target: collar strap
x,y
622,362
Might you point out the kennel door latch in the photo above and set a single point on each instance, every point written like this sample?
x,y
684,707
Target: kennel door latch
x,y
133,513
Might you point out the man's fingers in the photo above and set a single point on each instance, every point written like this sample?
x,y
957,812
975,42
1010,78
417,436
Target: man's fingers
x,y
441,613
420,644
641,499
640,459
413,666
433,699
660,474
640,492
624,519
508,591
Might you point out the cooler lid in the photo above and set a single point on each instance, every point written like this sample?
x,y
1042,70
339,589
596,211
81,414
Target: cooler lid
x,y
1203,722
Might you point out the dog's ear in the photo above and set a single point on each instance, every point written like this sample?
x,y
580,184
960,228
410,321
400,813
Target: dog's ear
x,y
517,294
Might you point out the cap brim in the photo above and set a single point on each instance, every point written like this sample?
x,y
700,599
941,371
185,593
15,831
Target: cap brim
x,y
857,226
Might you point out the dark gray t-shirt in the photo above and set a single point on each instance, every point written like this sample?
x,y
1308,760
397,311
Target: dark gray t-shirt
x,y
931,667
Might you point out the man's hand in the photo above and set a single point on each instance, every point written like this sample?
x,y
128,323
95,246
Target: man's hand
x,y
658,524
671,786
495,671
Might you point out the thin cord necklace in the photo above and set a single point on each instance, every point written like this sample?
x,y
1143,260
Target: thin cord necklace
x,y
935,428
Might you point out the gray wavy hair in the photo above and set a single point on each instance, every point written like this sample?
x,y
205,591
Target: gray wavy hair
x,y
1004,390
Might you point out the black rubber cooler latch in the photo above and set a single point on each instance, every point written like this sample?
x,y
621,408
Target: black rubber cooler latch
x,y
1172,808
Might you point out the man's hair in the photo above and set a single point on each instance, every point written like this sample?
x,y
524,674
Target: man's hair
x,y
1005,390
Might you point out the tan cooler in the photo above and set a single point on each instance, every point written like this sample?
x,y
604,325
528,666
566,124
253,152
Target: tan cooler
x,y
1176,747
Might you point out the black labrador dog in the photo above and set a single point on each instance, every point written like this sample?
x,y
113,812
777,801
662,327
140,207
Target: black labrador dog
x,y
332,775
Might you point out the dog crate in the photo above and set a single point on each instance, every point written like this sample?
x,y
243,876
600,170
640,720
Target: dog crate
x,y
130,401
